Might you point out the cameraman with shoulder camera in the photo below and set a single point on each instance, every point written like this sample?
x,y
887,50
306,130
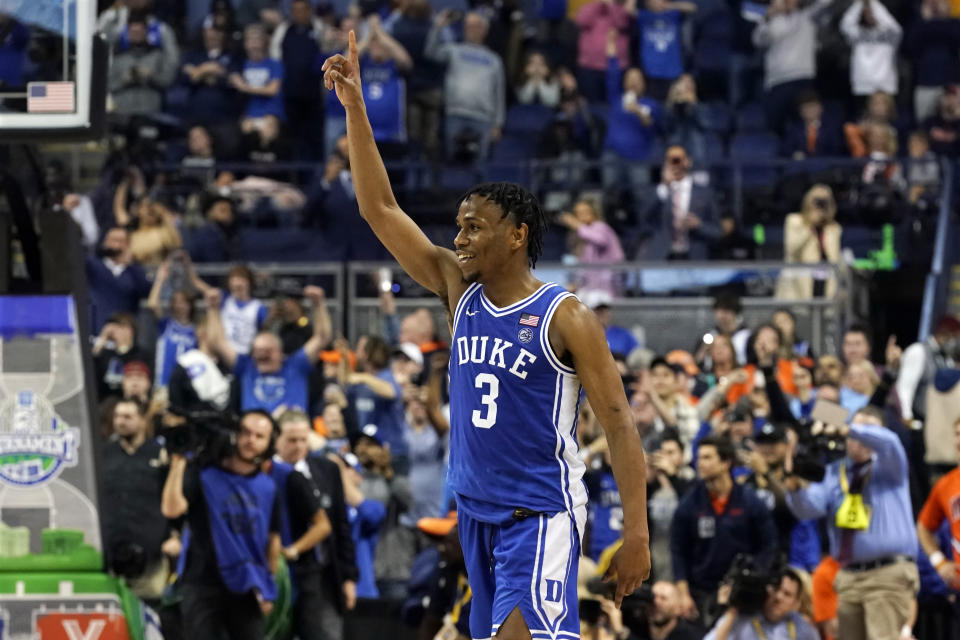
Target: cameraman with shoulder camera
x,y
865,497
776,620
233,512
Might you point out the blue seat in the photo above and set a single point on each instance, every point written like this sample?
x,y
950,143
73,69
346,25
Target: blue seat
x,y
751,117
754,150
288,245
715,148
717,116
527,119
458,179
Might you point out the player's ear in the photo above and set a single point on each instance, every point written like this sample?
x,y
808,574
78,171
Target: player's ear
x,y
518,235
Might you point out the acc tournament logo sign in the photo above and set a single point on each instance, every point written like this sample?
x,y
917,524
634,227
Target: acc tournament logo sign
x,y
35,445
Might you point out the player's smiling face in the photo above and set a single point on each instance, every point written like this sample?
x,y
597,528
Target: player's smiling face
x,y
486,239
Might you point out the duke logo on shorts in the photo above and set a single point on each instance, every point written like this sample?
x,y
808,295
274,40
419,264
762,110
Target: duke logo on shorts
x,y
514,465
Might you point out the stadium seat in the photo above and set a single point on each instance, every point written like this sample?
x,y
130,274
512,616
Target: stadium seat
x,y
527,119
717,116
754,150
751,117
716,150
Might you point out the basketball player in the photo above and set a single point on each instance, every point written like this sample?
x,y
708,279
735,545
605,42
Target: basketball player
x,y
522,349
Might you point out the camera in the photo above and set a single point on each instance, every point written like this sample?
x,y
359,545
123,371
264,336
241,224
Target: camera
x,y
748,585
209,435
128,559
816,450
821,203
634,606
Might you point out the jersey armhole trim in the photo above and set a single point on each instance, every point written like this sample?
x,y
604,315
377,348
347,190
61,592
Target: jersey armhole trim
x,y
461,305
545,336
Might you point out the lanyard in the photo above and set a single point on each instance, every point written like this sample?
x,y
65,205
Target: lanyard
x,y
852,514
845,484
791,629
463,590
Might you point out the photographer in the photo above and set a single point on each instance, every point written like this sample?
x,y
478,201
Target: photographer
x,y
865,497
233,511
811,236
777,618
716,520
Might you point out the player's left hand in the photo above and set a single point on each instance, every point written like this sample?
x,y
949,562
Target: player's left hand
x,y
630,566
343,74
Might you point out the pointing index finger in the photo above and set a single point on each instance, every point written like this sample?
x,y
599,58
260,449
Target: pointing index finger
x,y
352,39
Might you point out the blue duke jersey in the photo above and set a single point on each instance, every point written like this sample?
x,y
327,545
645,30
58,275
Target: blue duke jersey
x,y
604,511
513,410
175,340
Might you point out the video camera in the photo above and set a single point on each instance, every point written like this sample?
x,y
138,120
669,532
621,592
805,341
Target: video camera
x,y
817,449
210,435
748,585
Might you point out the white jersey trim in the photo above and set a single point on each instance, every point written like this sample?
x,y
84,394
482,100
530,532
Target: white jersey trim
x,y
497,312
545,337
461,304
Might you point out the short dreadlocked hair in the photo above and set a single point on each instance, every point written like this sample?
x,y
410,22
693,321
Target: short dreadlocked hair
x,y
520,204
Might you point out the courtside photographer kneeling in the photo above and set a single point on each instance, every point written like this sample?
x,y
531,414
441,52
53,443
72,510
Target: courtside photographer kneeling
x,y
233,514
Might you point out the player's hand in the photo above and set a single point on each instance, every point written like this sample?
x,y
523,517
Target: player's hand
x,y
630,566
343,74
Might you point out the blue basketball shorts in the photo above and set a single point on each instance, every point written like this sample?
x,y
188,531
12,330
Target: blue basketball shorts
x,y
530,564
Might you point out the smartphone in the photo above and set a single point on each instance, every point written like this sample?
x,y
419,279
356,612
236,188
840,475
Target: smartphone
x,y
829,412
590,611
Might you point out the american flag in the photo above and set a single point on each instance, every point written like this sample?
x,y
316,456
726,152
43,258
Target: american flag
x,y
528,320
50,97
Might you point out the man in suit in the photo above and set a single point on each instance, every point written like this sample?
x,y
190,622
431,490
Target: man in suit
x,y
328,586
810,133
682,222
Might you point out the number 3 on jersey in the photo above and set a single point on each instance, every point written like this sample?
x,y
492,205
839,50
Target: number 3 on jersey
x,y
490,384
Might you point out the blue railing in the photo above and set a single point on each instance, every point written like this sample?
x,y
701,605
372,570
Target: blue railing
x,y
934,293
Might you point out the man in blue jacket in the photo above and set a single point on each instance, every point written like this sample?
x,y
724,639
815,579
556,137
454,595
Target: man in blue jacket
x,y
716,520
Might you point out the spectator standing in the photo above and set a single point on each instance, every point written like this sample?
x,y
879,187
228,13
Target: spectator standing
x,y
940,506
204,73
474,85
241,315
261,80
788,34
631,128
880,109
268,381
428,440
668,480
778,618
716,520
810,135
604,505
383,60
920,364
728,321
117,284
140,72
114,349
305,529
134,529
944,126
298,43
366,517
537,85
672,402
661,43
932,42
865,498
811,236
923,174
218,240
685,122
874,36
596,20
410,28
663,618
597,244
376,397
199,382
682,222
176,333
154,233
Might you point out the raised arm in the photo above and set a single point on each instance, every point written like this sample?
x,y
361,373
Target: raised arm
x,y
433,267
322,325
215,333
577,335
153,300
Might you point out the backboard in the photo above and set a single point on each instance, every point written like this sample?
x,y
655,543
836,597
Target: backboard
x,y
53,70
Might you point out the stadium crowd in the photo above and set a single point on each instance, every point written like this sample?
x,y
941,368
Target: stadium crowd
x,y
757,528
